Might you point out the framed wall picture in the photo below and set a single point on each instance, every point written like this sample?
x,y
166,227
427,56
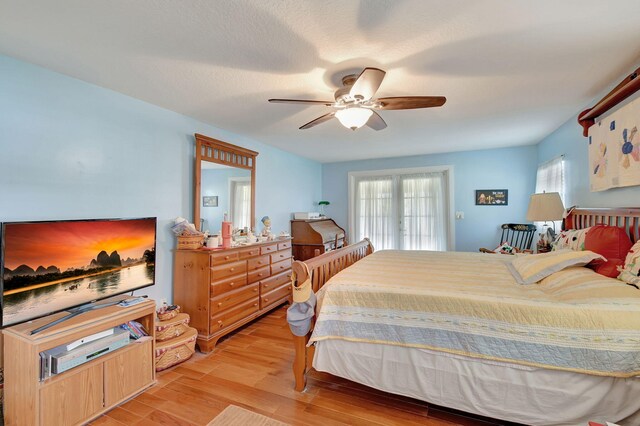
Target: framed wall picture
x,y
492,197
211,201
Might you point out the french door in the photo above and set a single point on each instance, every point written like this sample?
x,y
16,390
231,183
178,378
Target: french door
x,y
404,210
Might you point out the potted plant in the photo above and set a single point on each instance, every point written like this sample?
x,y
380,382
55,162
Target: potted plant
x,y
322,204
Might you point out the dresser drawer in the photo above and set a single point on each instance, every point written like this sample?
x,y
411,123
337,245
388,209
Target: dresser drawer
x,y
277,295
223,257
233,298
268,249
249,252
258,262
274,282
259,274
284,245
281,266
228,269
219,287
281,255
235,314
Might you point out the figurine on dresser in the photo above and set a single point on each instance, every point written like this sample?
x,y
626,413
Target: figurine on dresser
x,y
266,230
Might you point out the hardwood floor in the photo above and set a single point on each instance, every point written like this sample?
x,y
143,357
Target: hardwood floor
x,y
251,368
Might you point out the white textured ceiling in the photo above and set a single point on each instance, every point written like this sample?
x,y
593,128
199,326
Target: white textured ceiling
x,y
512,71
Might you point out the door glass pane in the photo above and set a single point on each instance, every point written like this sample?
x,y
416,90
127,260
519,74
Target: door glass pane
x,y
423,225
375,211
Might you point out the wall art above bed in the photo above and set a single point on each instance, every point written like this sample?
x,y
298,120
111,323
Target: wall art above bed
x,y
614,149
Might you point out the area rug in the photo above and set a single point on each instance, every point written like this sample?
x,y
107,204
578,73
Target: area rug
x,y
236,416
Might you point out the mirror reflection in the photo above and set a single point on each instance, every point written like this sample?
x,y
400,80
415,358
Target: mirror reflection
x,y
224,190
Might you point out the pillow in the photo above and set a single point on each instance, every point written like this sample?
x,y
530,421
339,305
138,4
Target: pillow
x,y
611,242
532,268
505,248
573,239
630,272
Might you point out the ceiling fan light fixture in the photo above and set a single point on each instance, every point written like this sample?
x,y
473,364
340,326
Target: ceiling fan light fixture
x,y
353,118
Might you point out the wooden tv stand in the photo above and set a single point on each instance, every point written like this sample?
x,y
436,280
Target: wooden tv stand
x,y
84,392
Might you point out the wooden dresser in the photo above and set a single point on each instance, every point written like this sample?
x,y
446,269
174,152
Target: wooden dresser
x,y
315,234
225,289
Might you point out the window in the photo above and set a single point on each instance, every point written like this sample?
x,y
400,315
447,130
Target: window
x,y
240,205
550,177
402,209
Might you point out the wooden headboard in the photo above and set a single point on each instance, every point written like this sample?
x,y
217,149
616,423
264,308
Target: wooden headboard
x,y
626,218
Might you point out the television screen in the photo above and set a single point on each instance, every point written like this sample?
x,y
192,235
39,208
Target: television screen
x,y
52,266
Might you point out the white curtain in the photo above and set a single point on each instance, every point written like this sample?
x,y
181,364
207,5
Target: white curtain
x,y
241,203
374,211
402,211
424,212
550,178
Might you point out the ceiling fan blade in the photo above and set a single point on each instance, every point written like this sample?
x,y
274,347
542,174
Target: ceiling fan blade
x,y
367,83
318,120
376,122
301,101
411,102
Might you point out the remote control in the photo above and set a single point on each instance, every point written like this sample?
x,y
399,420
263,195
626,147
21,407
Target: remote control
x,y
132,301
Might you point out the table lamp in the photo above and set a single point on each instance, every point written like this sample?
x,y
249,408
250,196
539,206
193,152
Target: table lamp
x,y
545,206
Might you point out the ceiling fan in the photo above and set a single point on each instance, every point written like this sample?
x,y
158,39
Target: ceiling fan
x,y
355,106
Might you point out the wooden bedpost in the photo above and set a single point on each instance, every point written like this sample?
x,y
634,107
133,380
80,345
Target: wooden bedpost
x,y
322,268
300,342
300,362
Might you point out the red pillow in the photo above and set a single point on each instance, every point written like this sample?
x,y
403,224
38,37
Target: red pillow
x,y
612,243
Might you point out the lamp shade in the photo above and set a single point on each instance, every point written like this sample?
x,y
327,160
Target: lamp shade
x,y
545,206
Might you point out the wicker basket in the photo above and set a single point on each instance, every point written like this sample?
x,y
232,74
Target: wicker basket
x,y
167,315
189,242
174,351
174,327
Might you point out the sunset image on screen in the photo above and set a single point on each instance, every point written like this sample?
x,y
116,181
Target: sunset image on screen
x,y
75,244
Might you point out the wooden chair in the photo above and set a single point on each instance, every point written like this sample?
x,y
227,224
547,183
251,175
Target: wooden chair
x,y
518,235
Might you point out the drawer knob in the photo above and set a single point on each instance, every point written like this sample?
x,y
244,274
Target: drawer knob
x,y
219,303
255,289
288,287
226,258
255,304
231,284
266,285
266,300
232,269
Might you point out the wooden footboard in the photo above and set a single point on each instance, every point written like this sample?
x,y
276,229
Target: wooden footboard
x,y
322,268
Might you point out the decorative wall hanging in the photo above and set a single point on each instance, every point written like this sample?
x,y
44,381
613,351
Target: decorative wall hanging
x,y
614,149
492,197
210,201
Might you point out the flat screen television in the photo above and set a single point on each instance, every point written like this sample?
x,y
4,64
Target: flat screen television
x,y
52,266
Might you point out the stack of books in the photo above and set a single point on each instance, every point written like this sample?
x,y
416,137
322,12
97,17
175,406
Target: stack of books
x,y
135,329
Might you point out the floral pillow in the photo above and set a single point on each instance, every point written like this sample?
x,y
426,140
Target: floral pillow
x,y
630,272
572,239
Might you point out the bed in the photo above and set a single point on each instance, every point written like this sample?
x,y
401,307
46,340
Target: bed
x,y
455,329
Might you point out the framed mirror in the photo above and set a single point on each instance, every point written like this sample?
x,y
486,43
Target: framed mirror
x,y
225,182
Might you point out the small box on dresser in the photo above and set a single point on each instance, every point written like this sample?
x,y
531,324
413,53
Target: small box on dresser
x,y
224,289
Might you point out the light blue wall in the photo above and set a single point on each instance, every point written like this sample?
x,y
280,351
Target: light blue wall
x,y
215,182
568,140
69,150
510,168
